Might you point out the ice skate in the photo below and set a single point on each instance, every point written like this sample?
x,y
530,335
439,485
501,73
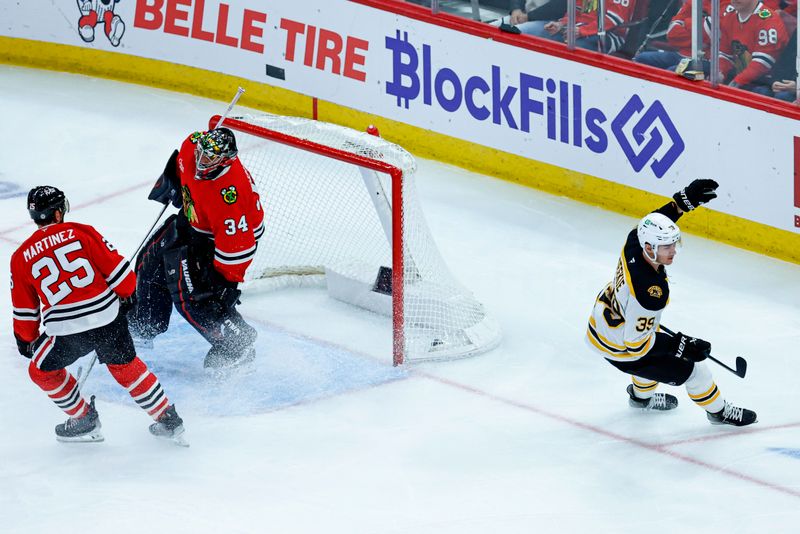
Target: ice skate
x,y
170,426
732,415
81,429
659,401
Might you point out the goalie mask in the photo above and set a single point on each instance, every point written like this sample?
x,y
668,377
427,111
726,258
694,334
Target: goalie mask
x,y
657,230
215,150
43,201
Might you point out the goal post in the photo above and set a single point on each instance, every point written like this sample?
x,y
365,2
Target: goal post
x,y
341,210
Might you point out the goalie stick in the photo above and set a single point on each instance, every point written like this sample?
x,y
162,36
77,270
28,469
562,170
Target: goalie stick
x,y
741,363
81,376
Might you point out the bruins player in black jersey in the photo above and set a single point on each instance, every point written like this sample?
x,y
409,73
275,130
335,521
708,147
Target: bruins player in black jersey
x,y
624,325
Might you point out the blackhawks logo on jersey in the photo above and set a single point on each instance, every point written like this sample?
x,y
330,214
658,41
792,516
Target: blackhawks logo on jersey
x,y
188,204
229,195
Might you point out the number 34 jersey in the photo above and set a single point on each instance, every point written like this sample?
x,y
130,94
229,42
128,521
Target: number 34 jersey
x,y
627,311
67,277
226,209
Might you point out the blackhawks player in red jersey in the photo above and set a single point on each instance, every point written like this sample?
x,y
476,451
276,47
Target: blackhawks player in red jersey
x,y
69,279
198,257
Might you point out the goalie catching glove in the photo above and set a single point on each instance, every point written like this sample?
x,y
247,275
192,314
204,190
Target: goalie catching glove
x,y
691,348
696,194
167,188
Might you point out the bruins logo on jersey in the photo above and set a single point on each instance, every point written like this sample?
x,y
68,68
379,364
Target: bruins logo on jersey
x,y
655,292
229,195
188,204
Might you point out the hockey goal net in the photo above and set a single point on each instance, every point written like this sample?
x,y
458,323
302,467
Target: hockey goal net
x,y
341,209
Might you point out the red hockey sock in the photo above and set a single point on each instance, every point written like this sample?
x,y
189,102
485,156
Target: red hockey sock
x,y
142,385
62,388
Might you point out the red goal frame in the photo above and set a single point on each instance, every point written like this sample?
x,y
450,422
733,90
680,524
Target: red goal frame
x,y
396,174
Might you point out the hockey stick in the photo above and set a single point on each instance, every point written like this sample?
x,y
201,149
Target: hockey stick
x,y
239,92
81,375
741,363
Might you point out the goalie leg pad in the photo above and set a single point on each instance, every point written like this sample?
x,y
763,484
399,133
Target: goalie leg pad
x,y
150,316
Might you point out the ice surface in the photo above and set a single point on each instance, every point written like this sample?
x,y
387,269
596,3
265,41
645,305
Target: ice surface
x,y
325,436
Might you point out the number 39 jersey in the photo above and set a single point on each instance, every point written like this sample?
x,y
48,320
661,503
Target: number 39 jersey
x,y
226,209
67,277
627,312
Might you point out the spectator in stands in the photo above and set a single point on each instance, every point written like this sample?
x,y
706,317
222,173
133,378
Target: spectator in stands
x,y
784,73
679,40
752,37
554,27
527,10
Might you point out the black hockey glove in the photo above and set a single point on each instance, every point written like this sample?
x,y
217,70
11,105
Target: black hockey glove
x,y
126,304
696,194
168,186
691,348
25,348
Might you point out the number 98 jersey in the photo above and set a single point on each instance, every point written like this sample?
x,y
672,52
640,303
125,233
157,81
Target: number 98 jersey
x,y
68,277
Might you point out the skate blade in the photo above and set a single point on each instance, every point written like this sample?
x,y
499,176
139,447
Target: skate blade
x,y
722,423
180,441
177,437
91,437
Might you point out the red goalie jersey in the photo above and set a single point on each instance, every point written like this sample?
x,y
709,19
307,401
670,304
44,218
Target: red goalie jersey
x,y
227,209
751,43
71,273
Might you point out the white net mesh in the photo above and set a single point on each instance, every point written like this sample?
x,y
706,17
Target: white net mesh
x,y
327,216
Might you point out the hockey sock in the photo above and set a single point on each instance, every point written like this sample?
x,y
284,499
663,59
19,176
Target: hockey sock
x,y
142,385
643,388
702,390
62,388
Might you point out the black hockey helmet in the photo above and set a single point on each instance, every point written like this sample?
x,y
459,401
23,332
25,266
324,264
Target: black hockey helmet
x,y
215,150
44,200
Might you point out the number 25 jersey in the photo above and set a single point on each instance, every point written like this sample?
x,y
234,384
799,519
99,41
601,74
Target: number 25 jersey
x,y
68,277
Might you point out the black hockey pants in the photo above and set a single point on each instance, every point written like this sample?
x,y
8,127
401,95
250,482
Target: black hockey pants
x,y
175,267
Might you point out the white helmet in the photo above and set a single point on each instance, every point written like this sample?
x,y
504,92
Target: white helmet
x,y
657,229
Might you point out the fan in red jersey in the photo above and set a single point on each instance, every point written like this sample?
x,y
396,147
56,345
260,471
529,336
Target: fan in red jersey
x,y
752,39
198,257
68,279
